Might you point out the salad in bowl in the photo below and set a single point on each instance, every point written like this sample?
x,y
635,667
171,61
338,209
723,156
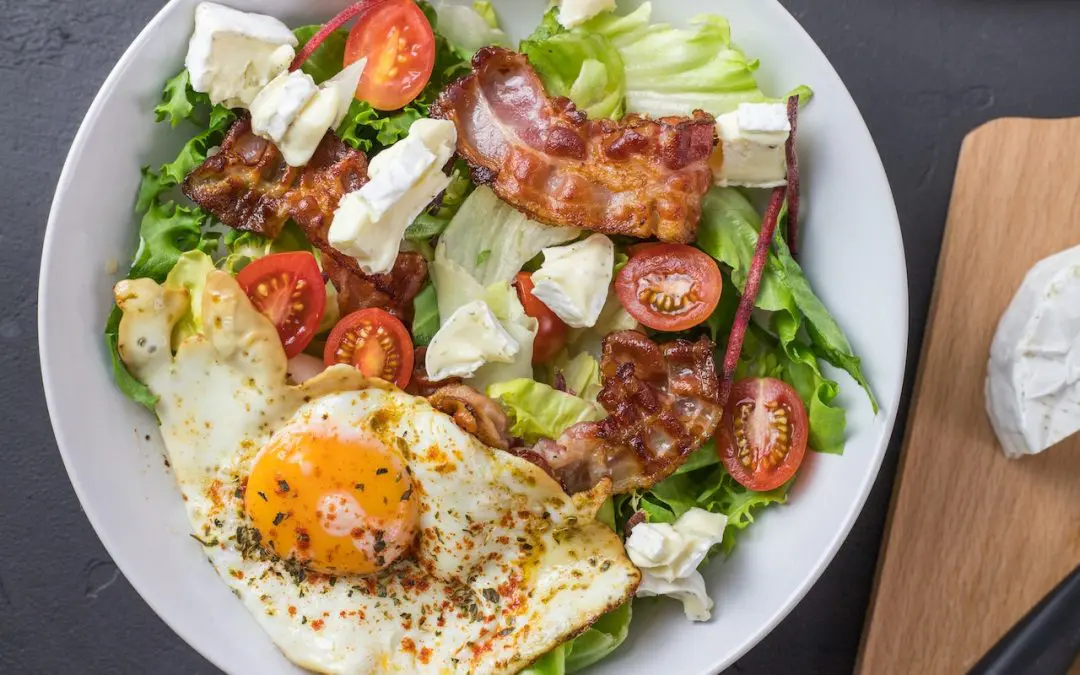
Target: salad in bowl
x,y
462,347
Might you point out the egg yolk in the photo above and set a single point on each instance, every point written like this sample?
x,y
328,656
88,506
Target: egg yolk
x,y
338,504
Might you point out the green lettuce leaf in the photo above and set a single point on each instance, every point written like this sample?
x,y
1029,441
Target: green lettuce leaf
x,y
468,29
243,247
549,25
552,663
602,638
539,411
182,103
728,232
486,223
582,374
125,381
179,101
700,458
487,12
194,151
329,58
672,71
189,273
166,231
583,66
707,487
826,336
151,185
425,316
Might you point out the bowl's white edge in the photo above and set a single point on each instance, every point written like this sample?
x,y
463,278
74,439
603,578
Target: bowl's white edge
x,y
77,147
819,565
783,610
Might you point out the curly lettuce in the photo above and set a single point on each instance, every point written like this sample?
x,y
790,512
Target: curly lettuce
x,y
583,66
540,411
728,232
467,29
613,63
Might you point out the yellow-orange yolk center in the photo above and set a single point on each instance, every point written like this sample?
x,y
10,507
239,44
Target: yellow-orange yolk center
x,y
340,504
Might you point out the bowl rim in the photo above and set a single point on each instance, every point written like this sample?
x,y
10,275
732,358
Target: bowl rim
x,y
815,570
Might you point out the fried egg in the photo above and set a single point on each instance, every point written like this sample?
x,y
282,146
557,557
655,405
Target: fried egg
x,y
362,529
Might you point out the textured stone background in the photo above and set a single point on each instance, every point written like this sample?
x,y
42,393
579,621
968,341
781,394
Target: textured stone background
x,y
924,73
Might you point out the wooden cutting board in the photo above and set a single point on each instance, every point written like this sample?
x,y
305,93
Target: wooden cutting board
x,y
974,540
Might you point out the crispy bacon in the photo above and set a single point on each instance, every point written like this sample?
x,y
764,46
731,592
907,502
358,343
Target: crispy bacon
x,y
393,291
663,402
247,185
638,177
473,412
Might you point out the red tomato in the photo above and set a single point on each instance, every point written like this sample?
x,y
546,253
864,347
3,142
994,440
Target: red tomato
x,y
399,45
551,336
669,287
288,289
374,341
762,437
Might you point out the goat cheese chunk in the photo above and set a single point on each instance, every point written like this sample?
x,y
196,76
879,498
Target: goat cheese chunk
x,y
370,223
576,12
753,139
470,338
573,280
1033,376
668,556
232,55
295,113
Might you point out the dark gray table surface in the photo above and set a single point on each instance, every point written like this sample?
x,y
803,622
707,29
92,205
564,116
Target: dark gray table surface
x,y
923,72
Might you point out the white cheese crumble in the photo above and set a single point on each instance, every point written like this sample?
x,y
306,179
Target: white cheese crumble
x,y
232,55
370,222
668,557
295,113
1033,376
470,338
753,140
573,280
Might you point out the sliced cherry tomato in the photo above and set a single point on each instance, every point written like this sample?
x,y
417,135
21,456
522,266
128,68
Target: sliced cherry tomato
x,y
374,341
762,437
288,289
399,45
551,336
669,287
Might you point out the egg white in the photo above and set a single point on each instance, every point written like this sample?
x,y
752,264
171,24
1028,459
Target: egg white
x,y
506,565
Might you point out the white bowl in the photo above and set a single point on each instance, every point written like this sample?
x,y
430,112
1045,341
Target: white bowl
x,y
852,251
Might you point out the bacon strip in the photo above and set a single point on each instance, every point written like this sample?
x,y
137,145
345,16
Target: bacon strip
x,y
663,402
474,413
638,177
393,291
248,186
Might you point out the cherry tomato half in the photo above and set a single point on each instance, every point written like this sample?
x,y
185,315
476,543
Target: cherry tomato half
x,y
551,336
399,45
669,287
374,341
762,437
288,289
